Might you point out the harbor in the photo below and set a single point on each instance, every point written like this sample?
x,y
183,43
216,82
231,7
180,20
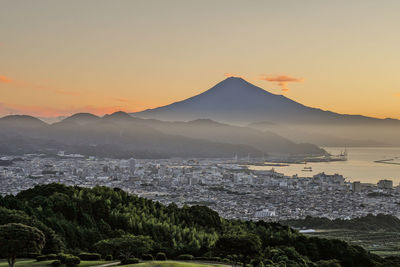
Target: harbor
x,y
365,164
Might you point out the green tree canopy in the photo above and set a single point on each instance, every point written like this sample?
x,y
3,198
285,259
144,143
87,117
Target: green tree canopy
x,y
18,239
243,245
126,246
53,244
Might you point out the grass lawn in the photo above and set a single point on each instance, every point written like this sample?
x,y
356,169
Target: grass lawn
x,y
93,263
172,264
26,262
34,263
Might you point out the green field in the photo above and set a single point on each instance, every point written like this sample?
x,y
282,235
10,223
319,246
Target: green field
x,y
34,263
383,243
172,264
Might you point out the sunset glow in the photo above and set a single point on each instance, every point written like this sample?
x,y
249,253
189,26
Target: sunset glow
x,y
58,58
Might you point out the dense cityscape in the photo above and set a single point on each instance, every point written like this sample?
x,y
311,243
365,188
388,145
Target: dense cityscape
x,y
227,186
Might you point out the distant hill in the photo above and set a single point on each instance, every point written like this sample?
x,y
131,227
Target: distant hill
x,y
121,135
21,121
236,101
81,118
110,136
330,136
266,141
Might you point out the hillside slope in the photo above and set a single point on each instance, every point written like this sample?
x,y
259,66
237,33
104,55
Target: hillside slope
x,y
80,217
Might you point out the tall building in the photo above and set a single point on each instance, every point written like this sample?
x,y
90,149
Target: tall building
x,y
265,213
161,171
132,165
385,184
357,187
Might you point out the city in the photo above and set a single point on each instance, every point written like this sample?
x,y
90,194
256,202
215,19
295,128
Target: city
x,y
224,185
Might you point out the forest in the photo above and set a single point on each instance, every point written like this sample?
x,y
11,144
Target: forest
x,y
113,223
369,222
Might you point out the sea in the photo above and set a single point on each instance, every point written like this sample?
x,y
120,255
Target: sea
x,y
360,165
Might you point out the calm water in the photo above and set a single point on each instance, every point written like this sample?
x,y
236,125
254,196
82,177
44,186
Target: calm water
x,y
359,167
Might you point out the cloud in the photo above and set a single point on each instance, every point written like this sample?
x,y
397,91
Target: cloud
x,y
4,79
228,75
118,104
23,84
282,80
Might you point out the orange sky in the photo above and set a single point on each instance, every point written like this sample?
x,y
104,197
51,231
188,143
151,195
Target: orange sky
x,y
59,58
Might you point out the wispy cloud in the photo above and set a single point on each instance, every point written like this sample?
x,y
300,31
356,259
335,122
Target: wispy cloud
x,y
282,80
229,74
116,104
24,84
4,79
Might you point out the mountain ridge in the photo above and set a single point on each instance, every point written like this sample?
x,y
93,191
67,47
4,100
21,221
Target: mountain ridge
x,y
238,102
119,134
260,104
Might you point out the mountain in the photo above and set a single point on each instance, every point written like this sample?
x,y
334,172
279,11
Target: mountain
x,y
115,135
22,121
121,135
334,136
237,101
81,118
266,141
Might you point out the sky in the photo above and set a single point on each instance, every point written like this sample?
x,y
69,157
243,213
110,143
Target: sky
x,y
58,58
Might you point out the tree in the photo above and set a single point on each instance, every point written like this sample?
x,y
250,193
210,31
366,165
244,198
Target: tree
x,y
53,241
243,245
126,246
18,239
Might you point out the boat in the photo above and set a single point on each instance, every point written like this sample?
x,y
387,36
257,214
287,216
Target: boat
x,y
307,169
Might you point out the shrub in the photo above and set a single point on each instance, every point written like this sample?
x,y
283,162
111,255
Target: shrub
x,y
257,263
328,263
130,261
56,263
161,256
41,258
89,256
109,258
218,259
62,257
185,257
75,251
71,261
147,257
268,262
51,256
